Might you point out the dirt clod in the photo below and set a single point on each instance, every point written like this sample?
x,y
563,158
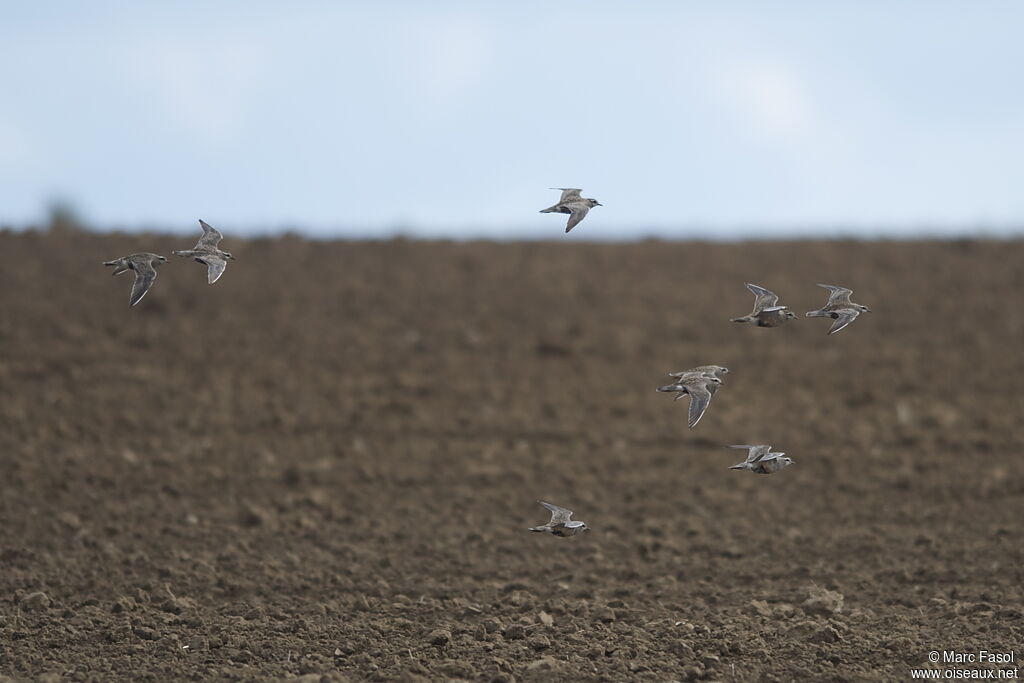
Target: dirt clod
x,y
539,642
822,601
543,664
35,602
146,633
514,632
440,637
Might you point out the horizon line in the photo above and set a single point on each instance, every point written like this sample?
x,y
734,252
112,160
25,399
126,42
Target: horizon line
x,y
904,232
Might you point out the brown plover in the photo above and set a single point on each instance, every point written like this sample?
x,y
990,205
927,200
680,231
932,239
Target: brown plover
x,y
561,523
573,204
207,252
760,459
700,388
144,265
767,312
839,307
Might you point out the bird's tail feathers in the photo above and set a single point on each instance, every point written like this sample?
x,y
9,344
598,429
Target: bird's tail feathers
x,y
744,319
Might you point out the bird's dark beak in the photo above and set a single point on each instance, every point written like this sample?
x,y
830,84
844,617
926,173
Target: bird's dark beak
x,y
598,204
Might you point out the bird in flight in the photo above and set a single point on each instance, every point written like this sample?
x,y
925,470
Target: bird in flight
x,y
767,312
839,307
761,460
699,388
561,523
208,253
144,265
573,204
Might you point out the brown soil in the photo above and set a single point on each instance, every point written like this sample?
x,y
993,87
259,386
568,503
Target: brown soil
x,y
325,464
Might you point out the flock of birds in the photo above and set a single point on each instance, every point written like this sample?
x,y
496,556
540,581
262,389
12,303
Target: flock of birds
x,y
144,264
699,383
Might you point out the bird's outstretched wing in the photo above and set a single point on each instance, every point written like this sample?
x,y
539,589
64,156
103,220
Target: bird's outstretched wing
x,y
215,266
846,316
706,370
559,515
145,273
211,236
838,296
763,298
568,193
755,452
700,399
578,214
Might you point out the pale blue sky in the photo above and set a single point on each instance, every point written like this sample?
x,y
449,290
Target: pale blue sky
x,y
453,118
